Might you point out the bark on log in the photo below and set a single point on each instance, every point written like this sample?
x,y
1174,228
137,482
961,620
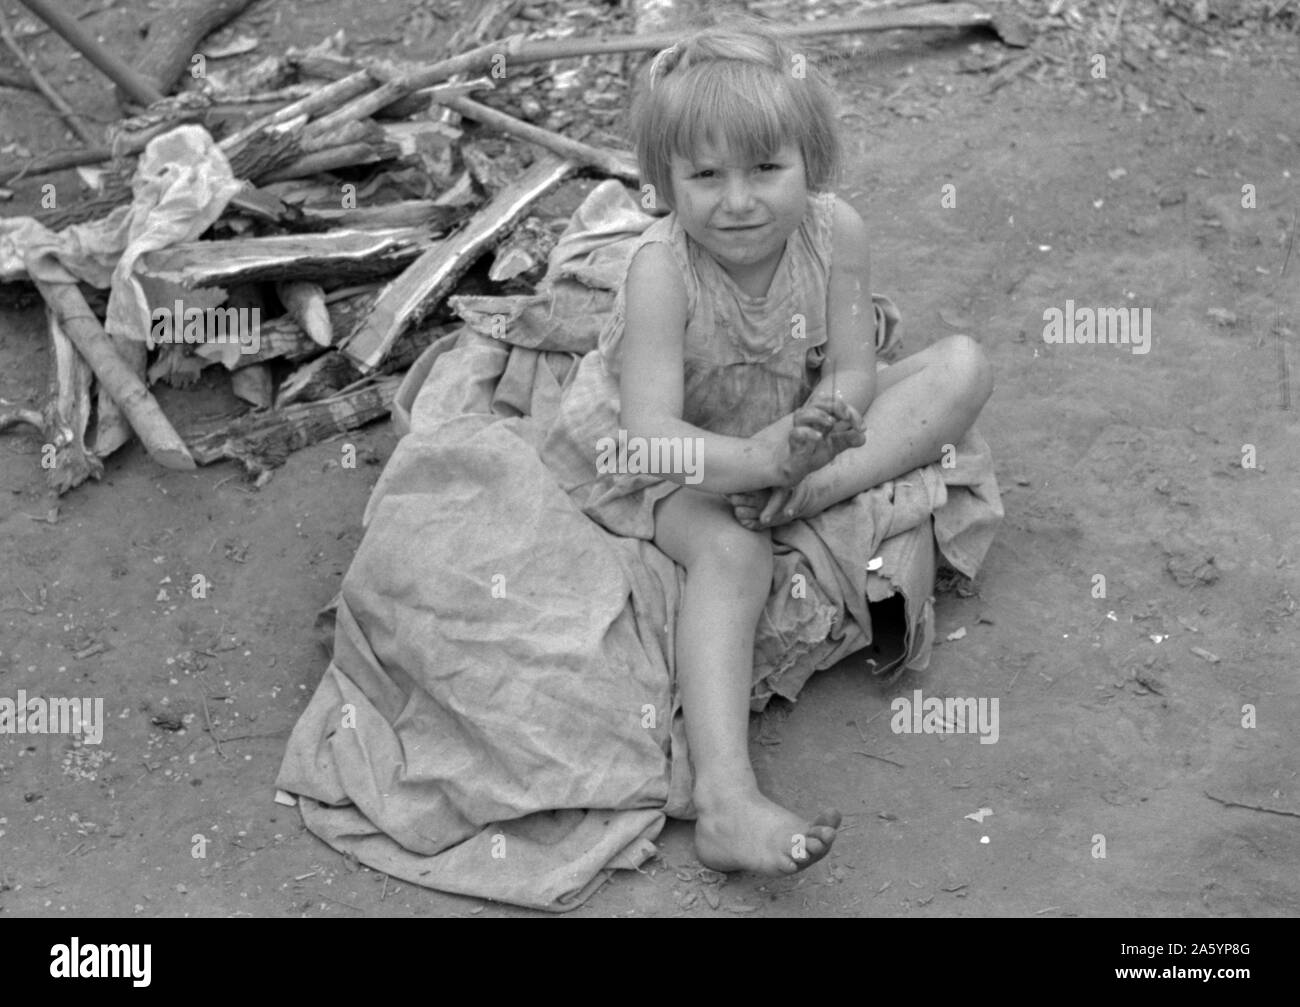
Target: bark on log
x,y
336,255
316,380
424,213
416,292
261,441
331,159
117,377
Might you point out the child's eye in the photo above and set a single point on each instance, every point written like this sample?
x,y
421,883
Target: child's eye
x,y
704,173
769,166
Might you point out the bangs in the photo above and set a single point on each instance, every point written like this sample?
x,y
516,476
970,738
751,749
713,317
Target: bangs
x,y
737,106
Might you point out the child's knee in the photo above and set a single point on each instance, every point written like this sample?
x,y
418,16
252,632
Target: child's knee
x,y
966,358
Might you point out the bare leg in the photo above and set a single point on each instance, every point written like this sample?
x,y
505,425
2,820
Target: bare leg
x,y
728,577
922,403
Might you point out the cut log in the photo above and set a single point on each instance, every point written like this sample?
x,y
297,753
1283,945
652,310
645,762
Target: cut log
x,y
280,338
253,384
331,159
525,251
305,302
318,379
112,429
418,290
63,421
67,413
331,372
284,338
422,213
340,255
175,35
261,441
117,377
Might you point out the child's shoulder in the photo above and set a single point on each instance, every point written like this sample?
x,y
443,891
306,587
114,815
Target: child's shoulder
x,y
843,217
849,236
655,270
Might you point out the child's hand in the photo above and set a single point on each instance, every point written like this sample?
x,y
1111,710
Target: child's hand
x,y
822,429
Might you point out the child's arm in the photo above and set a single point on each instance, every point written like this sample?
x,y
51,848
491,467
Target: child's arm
x,y
849,369
848,373
652,382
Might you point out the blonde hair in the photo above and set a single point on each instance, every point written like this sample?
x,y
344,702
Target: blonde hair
x,y
741,88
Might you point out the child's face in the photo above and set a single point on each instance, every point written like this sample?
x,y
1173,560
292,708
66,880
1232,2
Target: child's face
x,y
741,213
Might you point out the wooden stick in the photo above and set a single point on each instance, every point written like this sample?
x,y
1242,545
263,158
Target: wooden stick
x,y
1252,807
426,281
879,758
134,84
147,419
44,86
329,97
175,34
618,163
390,91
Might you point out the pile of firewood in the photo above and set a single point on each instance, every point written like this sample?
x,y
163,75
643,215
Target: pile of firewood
x,y
365,202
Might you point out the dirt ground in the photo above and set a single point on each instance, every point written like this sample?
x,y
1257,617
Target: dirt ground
x,y
1170,474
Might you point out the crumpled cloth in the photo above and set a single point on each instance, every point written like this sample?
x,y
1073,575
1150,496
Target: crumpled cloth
x,y
181,186
499,717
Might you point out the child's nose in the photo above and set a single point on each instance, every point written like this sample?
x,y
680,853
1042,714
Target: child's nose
x,y
739,197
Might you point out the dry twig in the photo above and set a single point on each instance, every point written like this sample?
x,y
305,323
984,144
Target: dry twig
x,y
45,87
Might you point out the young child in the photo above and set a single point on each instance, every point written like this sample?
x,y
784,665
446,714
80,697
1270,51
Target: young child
x,y
746,324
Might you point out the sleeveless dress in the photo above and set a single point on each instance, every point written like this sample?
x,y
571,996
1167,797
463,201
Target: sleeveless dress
x,y
748,361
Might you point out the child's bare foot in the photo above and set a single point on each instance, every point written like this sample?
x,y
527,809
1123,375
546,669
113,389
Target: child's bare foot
x,y
748,832
759,509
